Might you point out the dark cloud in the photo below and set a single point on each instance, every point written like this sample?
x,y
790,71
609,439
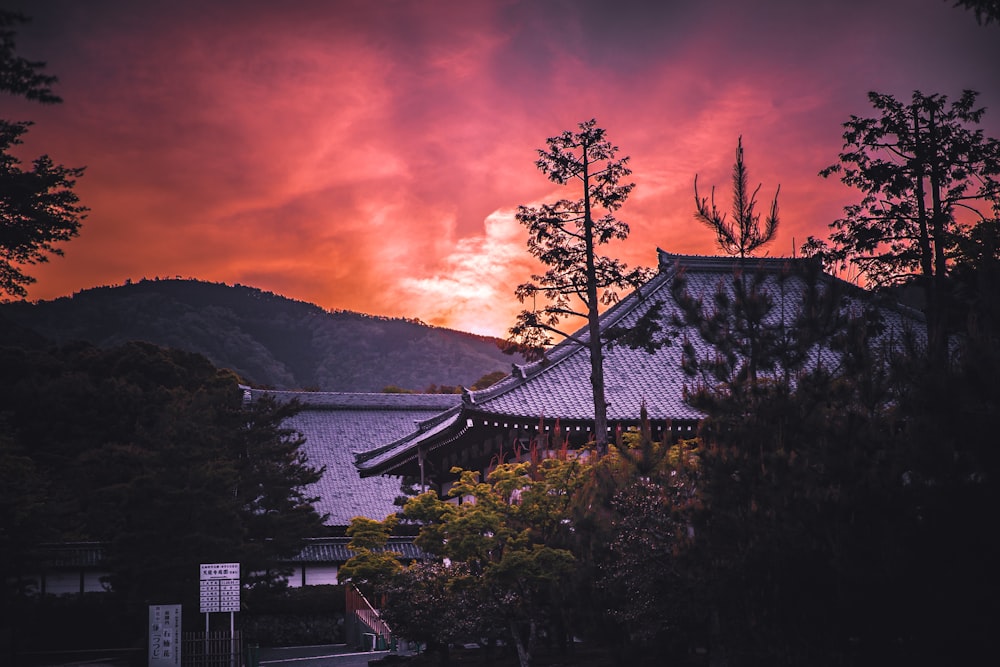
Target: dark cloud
x,y
368,155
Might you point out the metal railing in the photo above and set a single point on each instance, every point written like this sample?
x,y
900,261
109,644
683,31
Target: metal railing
x,y
215,649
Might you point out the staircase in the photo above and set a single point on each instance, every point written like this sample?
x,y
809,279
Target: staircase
x,y
363,626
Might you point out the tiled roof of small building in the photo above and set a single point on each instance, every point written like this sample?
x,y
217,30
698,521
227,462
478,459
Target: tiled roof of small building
x,y
337,426
559,385
334,550
87,555
72,555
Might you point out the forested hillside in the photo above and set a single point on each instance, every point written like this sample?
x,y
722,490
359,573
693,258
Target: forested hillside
x,y
268,339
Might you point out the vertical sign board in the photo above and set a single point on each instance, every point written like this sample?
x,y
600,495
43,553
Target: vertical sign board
x,y
220,587
165,635
220,591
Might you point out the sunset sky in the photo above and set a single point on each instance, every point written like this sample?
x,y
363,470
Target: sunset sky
x,y
368,154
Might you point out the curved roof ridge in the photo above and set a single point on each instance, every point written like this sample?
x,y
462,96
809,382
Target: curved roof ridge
x,y
403,448
357,400
567,348
422,426
721,262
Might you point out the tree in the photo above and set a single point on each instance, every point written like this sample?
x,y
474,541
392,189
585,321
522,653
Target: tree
x,y
18,75
372,565
438,604
918,167
986,11
276,511
488,380
928,216
24,515
38,207
844,490
153,452
510,533
743,235
647,579
564,236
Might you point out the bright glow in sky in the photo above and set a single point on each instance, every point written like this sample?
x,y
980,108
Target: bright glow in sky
x,y
368,155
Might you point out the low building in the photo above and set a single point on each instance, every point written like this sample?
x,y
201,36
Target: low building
x,y
337,426
68,568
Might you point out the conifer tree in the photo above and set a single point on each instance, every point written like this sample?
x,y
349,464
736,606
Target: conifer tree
x,y
564,236
923,171
743,234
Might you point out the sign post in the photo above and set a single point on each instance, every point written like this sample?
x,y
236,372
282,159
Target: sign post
x,y
220,591
165,635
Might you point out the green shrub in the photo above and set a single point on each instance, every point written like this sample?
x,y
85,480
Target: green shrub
x,y
294,616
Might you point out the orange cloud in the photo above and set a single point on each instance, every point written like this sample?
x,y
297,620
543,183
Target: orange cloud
x,y
368,156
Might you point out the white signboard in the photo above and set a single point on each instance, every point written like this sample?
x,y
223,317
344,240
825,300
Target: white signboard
x,y
211,571
229,595
220,587
165,635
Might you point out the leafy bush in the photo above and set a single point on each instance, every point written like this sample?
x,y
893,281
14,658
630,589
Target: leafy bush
x,y
295,616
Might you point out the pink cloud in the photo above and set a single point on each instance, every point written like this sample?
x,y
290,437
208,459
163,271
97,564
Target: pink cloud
x,y
367,155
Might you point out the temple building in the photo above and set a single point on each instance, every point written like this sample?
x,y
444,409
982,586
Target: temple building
x,y
498,424
371,444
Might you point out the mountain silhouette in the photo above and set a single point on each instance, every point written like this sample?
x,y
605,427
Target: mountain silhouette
x,y
268,339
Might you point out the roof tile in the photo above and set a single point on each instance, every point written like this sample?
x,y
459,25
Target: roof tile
x,y
336,425
559,385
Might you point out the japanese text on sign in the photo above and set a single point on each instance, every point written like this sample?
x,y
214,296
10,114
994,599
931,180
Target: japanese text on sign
x,y
220,571
165,635
220,587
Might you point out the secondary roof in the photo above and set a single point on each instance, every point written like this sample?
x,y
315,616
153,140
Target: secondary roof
x,y
336,425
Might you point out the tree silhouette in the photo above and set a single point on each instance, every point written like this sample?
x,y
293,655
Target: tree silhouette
x,y
18,75
918,166
743,235
153,452
564,236
986,11
38,207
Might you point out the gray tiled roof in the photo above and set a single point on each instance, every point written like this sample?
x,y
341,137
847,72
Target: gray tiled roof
x,y
338,400
559,386
72,555
78,555
338,425
334,550
430,429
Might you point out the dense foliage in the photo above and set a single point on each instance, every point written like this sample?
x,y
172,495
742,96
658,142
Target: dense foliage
x,y
152,452
827,514
835,506
38,207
